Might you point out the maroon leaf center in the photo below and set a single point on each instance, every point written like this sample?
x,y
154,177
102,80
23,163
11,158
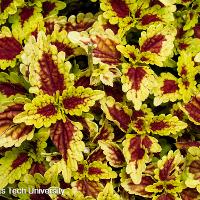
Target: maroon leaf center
x,y
5,4
120,8
47,110
194,168
158,125
147,19
47,7
170,86
63,47
166,173
22,158
9,48
52,80
72,102
9,89
136,76
120,116
94,170
26,13
153,44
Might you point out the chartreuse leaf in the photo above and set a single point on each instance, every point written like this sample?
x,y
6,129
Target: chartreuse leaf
x,y
10,54
47,69
94,171
86,189
52,174
138,82
13,166
80,99
167,89
106,132
80,22
138,151
30,182
12,134
9,8
117,112
42,111
191,109
50,7
108,193
103,45
156,44
113,153
168,177
67,137
26,21
137,189
140,117
117,14
165,125
192,168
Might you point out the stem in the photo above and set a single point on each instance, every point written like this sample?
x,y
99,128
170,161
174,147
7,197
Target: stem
x,y
90,58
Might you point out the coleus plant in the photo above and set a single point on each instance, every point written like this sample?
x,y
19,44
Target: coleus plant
x,y
100,98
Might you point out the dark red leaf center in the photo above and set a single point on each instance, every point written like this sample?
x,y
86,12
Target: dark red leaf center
x,y
158,125
47,7
63,47
153,44
136,76
147,19
5,4
22,158
170,86
26,13
47,110
9,48
120,8
72,102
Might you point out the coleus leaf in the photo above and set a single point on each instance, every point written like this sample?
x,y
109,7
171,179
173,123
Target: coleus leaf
x,y
81,22
67,137
12,134
156,44
138,82
51,7
106,74
12,85
26,21
106,132
137,189
115,13
170,167
94,171
190,194
167,89
192,168
87,188
153,16
138,150
62,43
10,48
13,165
80,99
52,174
139,118
113,153
42,111
28,182
47,70
103,45
108,193
9,7
165,125
96,155
191,109
117,112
